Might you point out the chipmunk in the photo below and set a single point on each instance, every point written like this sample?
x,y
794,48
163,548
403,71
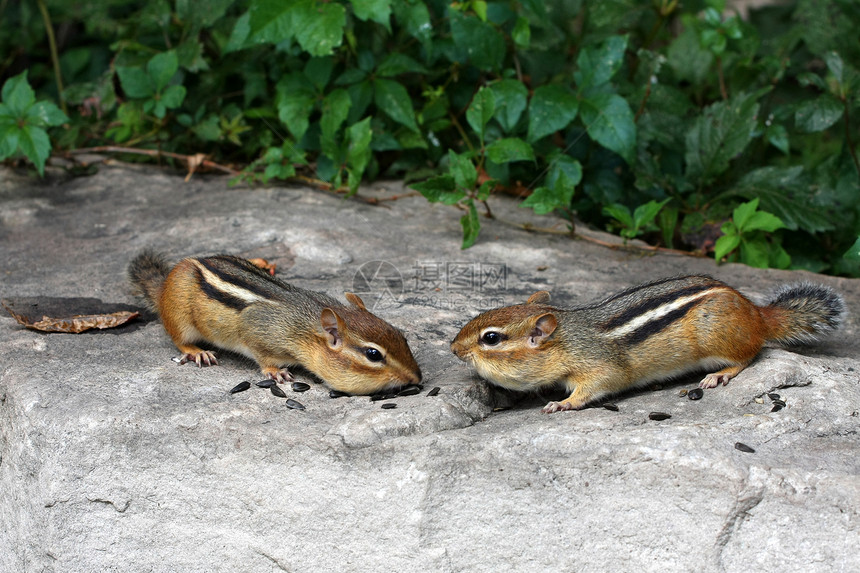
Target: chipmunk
x,y
654,331
235,305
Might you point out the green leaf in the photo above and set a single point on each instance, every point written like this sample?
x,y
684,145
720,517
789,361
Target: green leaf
x,y
743,212
763,221
318,71
173,97
725,245
620,213
45,113
358,137
435,188
398,63
609,121
718,135
471,225
135,82
853,253
335,109
644,215
295,101
511,98
376,10
161,68
34,142
789,194
552,108
687,58
755,252
481,110
563,170
777,136
18,95
464,171
392,99
522,34
545,200
478,42
319,26
510,149
818,114
415,18
597,65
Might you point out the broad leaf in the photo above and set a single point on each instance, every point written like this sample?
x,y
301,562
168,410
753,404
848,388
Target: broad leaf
x,y
471,225
510,149
463,170
481,110
609,121
718,135
552,108
392,99
597,64
319,26
818,114
511,100
376,10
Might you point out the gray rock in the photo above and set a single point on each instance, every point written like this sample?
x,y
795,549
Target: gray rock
x,y
113,457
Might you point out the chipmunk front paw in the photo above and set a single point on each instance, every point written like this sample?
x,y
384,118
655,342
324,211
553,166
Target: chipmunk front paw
x,y
200,358
280,375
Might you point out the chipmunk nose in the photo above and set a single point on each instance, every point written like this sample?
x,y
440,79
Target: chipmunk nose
x,y
458,348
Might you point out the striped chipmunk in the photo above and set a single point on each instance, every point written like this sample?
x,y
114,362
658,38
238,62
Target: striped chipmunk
x,y
650,332
234,304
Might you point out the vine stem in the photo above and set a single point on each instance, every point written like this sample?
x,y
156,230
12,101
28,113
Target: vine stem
x,y
848,140
55,59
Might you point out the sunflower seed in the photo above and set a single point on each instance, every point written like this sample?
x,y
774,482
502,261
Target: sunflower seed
x,y
659,416
744,448
277,391
300,387
695,394
779,403
611,407
266,383
683,392
336,394
773,396
434,391
389,406
409,391
776,407
240,387
292,404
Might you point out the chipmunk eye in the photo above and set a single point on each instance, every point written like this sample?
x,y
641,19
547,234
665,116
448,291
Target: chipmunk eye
x,y
491,338
373,354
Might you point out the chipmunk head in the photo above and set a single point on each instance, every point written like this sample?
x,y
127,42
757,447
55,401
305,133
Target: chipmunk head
x,y
363,353
512,346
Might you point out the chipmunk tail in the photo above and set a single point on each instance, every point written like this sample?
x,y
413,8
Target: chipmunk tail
x,y
803,312
146,273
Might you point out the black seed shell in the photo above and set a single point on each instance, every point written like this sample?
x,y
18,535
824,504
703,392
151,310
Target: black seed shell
x,y
611,407
268,383
659,416
336,394
409,391
744,448
300,387
240,387
773,396
295,405
434,391
277,391
776,407
695,394
389,406
779,403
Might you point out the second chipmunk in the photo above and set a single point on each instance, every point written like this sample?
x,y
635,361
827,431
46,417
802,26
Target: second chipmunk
x,y
651,332
233,304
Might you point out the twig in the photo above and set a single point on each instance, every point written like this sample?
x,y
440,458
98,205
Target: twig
x,y
190,160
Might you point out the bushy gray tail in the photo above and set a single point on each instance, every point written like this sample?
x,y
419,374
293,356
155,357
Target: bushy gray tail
x,y
803,312
146,273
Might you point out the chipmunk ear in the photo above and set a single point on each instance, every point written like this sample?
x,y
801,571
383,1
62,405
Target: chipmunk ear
x,y
354,300
540,297
544,326
334,326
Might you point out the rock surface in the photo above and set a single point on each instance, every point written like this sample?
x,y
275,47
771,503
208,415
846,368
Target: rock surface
x,y
114,458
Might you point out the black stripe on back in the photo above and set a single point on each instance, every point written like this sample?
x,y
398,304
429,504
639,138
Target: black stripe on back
x,y
652,327
217,295
236,278
650,304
